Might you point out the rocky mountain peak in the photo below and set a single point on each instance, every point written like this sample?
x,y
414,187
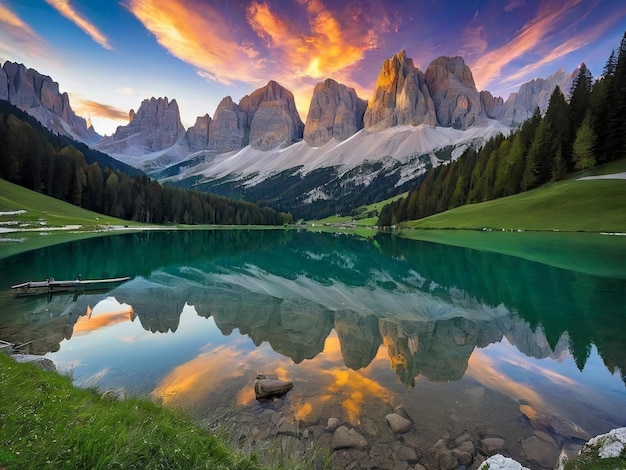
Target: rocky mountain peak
x,y
271,117
39,96
198,134
226,131
155,126
335,112
401,96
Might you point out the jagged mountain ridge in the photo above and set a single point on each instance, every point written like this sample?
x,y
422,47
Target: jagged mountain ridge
x,y
39,96
348,147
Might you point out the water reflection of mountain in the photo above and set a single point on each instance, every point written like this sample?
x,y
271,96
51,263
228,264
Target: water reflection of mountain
x,y
430,305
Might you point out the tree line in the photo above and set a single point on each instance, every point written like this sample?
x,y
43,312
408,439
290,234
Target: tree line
x,y
37,159
587,131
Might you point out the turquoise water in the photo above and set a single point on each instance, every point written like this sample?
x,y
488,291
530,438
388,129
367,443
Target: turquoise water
x,y
463,340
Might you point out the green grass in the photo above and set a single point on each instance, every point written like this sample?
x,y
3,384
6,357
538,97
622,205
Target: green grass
x,y
54,212
595,205
47,423
364,222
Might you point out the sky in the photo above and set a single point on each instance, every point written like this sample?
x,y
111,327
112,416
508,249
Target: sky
x,y
110,55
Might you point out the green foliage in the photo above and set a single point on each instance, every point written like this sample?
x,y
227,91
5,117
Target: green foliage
x,y
47,423
32,158
590,130
583,145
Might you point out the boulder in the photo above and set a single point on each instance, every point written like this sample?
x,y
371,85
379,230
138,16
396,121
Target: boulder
x,y
40,361
398,424
611,444
347,438
333,423
541,452
335,112
266,387
499,462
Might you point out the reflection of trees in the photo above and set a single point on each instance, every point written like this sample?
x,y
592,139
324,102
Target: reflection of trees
x,y
588,308
541,305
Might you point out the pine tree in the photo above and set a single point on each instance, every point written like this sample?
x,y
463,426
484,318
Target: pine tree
x,y
580,95
584,144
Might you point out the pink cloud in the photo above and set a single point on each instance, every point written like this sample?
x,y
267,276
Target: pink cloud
x,y
64,7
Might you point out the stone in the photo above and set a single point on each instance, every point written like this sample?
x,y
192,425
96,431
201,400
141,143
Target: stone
x,y
40,361
398,424
611,444
114,394
491,444
406,453
541,452
499,462
401,96
335,112
333,423
346,438
266,387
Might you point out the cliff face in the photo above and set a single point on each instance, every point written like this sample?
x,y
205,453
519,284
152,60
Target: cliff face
x,y
39,96
401,96
451,85
154,127
271,117
198,134
335,112
227,129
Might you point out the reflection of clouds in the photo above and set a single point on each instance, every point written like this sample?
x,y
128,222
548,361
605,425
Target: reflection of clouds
x,y
485,370
107,312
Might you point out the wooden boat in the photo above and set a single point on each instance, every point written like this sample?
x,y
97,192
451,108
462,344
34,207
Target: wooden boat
x,y
50,285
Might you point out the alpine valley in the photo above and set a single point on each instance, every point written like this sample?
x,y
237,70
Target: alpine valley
x,y
349,152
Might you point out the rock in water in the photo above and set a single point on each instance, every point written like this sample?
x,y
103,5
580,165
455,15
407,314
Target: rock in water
x,y
499,462
398,424
266,387
345,438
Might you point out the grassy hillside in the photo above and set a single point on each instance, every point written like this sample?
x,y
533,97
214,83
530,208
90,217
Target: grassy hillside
x,y
593,205
40,208
39,217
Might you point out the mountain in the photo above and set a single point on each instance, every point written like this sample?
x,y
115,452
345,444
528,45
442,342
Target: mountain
x,y
336,112
39,96
350,152
415,120
155,129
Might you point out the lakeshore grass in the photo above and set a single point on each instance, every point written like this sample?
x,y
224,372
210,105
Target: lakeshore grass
x,y
45,422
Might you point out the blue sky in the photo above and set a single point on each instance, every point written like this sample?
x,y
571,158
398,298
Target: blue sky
x,y
109,55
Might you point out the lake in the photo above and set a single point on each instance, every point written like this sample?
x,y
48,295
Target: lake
x,y
483,352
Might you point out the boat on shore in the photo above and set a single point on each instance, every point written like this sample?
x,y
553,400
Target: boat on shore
x,y
51,285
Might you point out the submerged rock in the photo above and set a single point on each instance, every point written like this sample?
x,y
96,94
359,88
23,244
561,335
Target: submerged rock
x,y
268,387
345,438
398,424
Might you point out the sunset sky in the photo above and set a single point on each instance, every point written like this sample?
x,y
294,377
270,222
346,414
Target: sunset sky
x,y
109,55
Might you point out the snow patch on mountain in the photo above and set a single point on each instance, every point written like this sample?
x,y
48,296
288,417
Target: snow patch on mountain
x,y
400,144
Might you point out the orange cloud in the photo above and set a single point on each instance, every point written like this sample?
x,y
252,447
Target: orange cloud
x,y
64,7
489,66
89,107
200,36
273,46
88,323
18,38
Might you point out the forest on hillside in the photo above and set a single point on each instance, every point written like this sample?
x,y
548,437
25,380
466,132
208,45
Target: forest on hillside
x,y
587,130
35,158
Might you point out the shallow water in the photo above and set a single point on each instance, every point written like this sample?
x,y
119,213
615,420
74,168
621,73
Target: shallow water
x,y
463,341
